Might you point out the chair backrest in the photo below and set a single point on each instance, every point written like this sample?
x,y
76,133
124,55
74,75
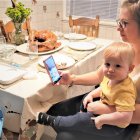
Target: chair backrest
x,y
2,28
8,29
83,25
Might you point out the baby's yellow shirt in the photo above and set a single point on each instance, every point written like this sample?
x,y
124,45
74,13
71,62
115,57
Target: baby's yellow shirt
x,y
122,95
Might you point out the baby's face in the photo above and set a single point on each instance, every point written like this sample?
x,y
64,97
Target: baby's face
x,y
115,69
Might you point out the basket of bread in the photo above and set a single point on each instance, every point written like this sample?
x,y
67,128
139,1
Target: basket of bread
x,y
45,39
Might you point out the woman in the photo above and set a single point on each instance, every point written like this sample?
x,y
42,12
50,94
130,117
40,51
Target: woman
x,y
129,28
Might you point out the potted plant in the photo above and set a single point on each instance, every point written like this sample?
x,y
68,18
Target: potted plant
x,y
18,13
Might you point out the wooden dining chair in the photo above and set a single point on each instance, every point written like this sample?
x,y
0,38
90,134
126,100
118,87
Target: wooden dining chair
x,y
83,25
2,28
8,28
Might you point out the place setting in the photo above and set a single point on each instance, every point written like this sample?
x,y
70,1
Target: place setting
x,y
62,61
79,49
79,42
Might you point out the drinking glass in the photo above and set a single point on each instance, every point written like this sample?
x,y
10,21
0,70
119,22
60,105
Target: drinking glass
x,y
33,49
9,53
32,46
2,46
59,32
72,35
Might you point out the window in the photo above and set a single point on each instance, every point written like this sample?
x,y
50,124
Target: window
x,y
106,9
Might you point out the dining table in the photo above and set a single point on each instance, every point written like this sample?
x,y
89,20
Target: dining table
x,y
22,99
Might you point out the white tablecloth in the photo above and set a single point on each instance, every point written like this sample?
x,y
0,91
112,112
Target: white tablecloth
x,y
23,100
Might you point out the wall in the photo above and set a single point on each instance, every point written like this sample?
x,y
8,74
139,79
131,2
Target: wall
x,y
40,19
52,17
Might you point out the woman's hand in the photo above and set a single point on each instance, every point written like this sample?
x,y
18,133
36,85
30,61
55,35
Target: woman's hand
x,y
97,122
66,78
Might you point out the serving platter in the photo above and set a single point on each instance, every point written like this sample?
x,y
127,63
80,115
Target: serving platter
x,y
24,49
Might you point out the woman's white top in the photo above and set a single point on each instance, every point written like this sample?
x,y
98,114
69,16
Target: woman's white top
x,y
135,75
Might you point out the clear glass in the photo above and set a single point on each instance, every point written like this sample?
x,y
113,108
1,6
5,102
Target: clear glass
x,y
58,30
9,53
72,34
32,49
2,46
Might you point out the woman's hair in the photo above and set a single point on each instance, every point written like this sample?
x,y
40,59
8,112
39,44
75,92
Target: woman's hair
x,y
134,7
120,49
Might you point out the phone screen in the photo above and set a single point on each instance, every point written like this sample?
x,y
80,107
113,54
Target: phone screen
x,y
52,69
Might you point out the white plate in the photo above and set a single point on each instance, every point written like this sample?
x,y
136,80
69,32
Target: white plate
x,y
82,46
24,49
62,61
75,36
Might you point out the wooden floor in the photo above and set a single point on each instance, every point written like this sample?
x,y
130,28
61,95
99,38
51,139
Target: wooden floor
x,y
7,135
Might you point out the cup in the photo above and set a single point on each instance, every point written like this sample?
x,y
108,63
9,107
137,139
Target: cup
x,y
33,49
9,52
2,46
72,35
59,34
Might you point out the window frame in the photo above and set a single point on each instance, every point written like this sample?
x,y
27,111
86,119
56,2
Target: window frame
x,y
102,22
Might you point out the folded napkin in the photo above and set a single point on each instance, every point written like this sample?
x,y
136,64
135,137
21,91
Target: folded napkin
x,y
9,75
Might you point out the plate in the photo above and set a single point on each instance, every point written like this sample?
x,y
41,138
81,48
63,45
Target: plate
x,y
62,61
82,46
75,36
24,49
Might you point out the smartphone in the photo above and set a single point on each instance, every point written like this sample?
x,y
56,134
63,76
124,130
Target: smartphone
x,y
52,69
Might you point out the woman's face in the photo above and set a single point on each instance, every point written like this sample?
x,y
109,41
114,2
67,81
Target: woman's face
x,y
129,32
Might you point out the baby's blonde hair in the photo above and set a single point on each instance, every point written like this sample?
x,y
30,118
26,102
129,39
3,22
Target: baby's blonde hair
x,y
120,49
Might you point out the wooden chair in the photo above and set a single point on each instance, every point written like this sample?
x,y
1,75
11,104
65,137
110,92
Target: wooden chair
x,y
2,28
83,25
8,29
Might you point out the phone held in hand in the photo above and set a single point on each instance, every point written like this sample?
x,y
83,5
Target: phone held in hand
x,y
52,69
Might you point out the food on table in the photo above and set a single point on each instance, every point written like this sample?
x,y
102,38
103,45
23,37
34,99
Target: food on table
x,y
61,65
46,40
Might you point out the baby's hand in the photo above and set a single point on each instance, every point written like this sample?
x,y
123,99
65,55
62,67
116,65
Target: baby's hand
x,y
97,122
87,99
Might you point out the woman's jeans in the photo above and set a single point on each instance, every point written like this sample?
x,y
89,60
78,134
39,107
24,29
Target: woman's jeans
x,y
76,124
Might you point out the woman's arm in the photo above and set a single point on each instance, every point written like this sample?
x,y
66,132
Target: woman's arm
x,y
136,115
92,78
121,119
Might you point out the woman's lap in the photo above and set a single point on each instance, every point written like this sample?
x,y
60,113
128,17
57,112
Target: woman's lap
x,y
81,122
72,135
70,107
